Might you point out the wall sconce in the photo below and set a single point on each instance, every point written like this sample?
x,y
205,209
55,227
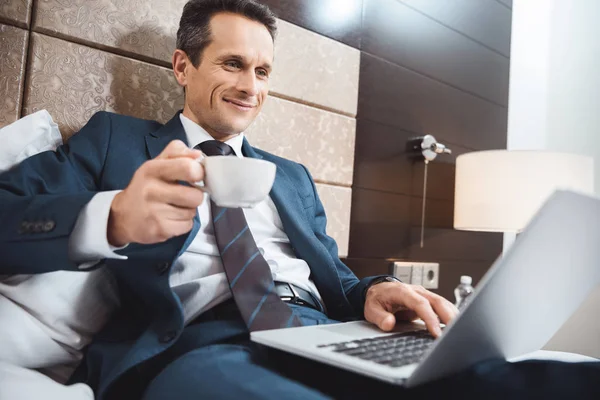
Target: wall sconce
x,y
429,148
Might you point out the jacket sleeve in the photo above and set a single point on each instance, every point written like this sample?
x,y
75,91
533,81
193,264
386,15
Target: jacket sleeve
x,y
353,287
41,198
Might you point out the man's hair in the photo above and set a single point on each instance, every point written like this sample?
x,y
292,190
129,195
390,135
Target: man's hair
x,y
194,26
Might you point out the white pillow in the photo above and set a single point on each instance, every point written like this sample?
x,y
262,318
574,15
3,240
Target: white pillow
x,y
46,319
26,384
27,136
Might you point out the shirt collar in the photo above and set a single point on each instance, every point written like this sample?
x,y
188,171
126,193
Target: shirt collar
x,y
196,135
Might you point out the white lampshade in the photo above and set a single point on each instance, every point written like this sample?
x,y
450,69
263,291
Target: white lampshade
x,y
501,190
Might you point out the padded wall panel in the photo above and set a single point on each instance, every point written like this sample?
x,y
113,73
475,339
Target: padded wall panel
x,y
13,51
15,12
142,27
73,82
337,201
313,69
323,141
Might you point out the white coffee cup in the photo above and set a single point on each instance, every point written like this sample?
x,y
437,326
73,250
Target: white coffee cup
x,y
236,182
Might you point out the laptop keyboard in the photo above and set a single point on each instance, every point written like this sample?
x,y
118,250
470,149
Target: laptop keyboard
x,y
394,350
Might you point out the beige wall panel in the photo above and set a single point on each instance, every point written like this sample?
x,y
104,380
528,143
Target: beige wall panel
x,y
309,67
337,201
73,82
144,27
314,69
15,12
13,48
323,141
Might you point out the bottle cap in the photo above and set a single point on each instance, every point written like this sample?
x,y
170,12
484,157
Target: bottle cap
x,y
466,280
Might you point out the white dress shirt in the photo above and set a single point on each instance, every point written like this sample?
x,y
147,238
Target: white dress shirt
x,y
197,277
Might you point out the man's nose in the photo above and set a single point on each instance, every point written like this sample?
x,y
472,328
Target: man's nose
x,y
248,83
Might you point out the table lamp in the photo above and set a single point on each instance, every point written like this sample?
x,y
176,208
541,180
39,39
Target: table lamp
x,y
501,190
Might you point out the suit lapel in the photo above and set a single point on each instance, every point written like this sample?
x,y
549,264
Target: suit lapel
x,y
155,144
249,151
157,141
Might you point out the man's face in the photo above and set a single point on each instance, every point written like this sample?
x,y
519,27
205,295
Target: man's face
x,y
227,90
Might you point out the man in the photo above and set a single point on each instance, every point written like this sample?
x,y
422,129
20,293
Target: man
x,y
115,195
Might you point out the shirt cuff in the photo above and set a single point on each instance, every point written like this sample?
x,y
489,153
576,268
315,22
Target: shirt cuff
x,y
88,243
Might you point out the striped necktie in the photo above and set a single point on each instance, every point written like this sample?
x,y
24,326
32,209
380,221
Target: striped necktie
x,y
247,271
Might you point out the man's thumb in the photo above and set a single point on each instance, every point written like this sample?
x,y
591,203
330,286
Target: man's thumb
x,y
383,319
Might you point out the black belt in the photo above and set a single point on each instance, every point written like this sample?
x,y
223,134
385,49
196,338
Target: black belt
x,y
293,294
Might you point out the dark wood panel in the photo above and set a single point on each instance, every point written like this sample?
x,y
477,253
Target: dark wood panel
x,y
338,20
386,225
451,244
397,33
379,224
485,21
438,213
440,176
382,161
363,267
395,96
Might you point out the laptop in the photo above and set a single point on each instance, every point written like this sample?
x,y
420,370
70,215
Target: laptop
x,y
523,299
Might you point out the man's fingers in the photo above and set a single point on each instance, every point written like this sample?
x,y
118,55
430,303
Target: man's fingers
x,y
421,306
176,149
175,213
443,308
178,169
178,195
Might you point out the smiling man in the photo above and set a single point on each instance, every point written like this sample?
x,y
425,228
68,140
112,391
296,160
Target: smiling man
x,y
227,82
115,198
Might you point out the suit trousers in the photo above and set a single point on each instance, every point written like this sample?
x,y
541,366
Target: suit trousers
x,y
235,368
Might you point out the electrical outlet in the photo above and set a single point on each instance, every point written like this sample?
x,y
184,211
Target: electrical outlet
x,y
416,277
403,271
418,273
431,275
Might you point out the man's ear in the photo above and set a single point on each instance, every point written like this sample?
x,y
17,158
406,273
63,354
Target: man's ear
x,y
180,63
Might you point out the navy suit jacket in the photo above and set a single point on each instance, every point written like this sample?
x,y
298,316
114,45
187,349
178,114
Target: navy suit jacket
x,y
40,201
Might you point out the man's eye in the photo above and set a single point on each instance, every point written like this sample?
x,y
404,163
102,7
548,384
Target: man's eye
x,y
232,64
262,73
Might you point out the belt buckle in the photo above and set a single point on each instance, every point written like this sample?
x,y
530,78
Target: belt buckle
x,y
296,299
293,290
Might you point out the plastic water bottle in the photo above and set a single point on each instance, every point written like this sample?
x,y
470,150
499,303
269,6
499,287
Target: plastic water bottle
x,y
463,290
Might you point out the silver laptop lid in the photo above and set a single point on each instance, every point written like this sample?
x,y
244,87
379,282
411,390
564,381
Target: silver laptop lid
x,y
528,294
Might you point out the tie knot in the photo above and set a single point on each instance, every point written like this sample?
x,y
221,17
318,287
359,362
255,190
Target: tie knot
x,y
215,148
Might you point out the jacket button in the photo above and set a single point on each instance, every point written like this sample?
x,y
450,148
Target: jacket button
x,y
168,336
48,226
25,227
162,268
38,227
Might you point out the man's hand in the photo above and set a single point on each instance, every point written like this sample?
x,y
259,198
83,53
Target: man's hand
x,y
155,207
390,300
